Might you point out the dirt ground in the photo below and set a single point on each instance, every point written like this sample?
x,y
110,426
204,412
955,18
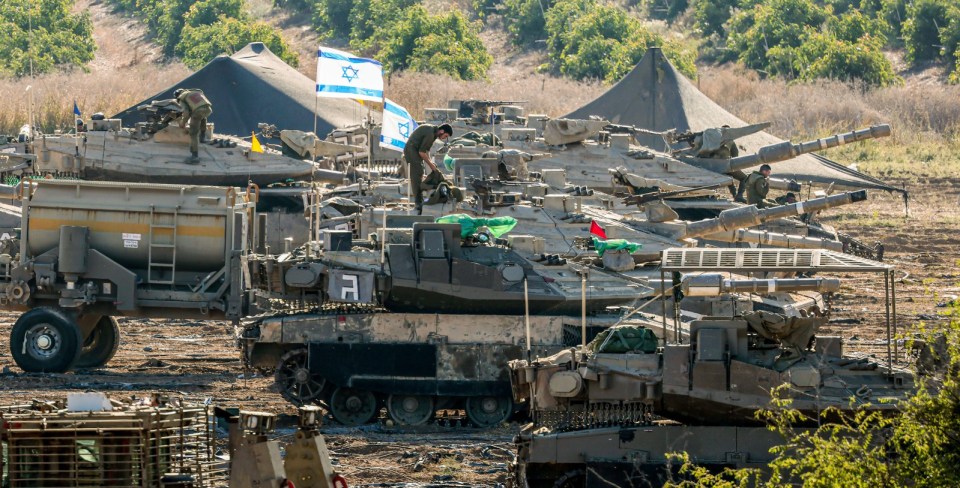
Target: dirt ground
x,y
199,360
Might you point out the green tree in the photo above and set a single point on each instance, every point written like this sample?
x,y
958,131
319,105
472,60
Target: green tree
x,y
372,22
58,37
199,45
769,24
331,18
209,11
588,40
921,30
446,43
711,15
950,35
526,19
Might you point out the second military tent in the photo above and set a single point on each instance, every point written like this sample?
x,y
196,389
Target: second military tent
x,y
656,97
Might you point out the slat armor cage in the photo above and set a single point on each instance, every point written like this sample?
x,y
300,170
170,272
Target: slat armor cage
x,y
45,446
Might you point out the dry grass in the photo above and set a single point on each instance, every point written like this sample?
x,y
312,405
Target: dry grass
x,y
542,94
917,113
107,92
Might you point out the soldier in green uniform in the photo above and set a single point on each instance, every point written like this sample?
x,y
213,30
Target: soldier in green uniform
x,y
417,151
196,108
756,186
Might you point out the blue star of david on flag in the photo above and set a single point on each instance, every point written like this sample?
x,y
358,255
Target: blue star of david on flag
x,y
350,73
343,75
397,126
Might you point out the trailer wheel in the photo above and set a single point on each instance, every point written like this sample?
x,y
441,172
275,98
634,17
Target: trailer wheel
x,y
45,340
102,344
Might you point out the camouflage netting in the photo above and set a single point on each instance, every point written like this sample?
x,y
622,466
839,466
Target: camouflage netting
x,y
254,85
656,97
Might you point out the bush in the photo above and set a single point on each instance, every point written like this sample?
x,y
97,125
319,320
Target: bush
x,y
921,31
200,30
446,43
58,38
711,15
331,18
371,22
918,447
798,39
772,24
526,19
588,40
201,44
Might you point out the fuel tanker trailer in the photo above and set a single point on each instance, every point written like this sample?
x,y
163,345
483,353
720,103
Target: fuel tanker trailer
x,y
90,251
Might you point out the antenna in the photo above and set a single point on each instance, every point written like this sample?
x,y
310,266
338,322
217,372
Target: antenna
x,y
30,60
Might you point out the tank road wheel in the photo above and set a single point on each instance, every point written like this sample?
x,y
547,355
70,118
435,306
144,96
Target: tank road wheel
x,y
352,407
45,340
488,411
102,344
410,409
294,380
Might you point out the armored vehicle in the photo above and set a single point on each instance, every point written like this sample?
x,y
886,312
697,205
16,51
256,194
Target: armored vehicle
x,y
709,375
90,251
157,151
404,304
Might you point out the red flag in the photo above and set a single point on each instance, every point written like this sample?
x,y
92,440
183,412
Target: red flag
x,y
596,230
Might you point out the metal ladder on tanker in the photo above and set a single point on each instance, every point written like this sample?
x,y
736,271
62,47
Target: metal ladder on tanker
x,y
157,251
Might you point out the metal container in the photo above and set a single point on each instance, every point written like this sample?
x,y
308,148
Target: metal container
x,y
134,224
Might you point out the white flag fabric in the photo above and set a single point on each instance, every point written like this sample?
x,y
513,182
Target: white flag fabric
x,y
343,75
397,126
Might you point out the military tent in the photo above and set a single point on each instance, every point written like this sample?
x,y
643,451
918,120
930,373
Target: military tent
x,y
254,85
656,97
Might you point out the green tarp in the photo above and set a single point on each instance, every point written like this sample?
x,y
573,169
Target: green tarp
x,y
469,225
615,245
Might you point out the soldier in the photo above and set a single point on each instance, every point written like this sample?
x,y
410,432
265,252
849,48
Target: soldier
x,y
417,151
197,108
757,185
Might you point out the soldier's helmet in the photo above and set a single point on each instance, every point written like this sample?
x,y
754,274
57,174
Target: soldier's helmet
x,y
178,92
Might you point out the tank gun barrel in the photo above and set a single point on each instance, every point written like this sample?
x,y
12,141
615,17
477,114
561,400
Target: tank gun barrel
x,y
713,284
749,216
786,150
774,239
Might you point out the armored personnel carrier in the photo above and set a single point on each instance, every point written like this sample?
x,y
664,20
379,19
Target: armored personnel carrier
x,y
616,408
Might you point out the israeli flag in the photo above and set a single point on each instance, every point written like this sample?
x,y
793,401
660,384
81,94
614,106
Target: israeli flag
x,y
397,126
343,75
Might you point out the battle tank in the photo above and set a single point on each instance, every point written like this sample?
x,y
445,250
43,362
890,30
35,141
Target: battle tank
x,y
157,151
408,289
615,409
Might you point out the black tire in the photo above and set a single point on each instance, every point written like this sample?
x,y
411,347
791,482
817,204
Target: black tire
x,y
102,344
45,340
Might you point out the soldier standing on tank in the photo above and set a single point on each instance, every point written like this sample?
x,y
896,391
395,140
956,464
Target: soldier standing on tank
x,y
417,152
197,108
757,185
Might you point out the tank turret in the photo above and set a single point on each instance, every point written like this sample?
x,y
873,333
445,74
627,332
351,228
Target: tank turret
x,y
783,151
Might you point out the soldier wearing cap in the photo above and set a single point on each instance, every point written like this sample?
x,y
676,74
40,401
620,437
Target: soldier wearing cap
x,y
197,108
417,152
